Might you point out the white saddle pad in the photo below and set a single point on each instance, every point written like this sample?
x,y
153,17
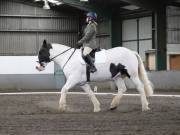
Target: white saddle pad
x,y
100,57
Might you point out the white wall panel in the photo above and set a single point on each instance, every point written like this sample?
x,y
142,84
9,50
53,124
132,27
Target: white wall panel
x,y
173,48
129,29
144,46
145,27
145,34
22,65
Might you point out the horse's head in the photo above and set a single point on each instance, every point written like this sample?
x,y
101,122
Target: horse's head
x,y
44,56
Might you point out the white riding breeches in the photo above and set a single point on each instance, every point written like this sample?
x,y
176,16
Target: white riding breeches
x,y
86,51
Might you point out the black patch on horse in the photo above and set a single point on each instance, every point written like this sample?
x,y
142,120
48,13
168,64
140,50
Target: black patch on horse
x,y
119,68
44,54
88,74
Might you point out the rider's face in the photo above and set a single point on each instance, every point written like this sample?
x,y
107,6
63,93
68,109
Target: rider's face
x,y
88,19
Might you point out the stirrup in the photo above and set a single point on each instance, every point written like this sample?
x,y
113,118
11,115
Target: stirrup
x,y
93,69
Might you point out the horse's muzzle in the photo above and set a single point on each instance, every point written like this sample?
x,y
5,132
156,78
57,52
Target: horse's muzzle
x,y
40,68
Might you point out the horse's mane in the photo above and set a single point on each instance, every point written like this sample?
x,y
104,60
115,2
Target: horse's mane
x,y
59,46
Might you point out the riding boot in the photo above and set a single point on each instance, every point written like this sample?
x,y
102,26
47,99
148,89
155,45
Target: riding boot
x,y
90,63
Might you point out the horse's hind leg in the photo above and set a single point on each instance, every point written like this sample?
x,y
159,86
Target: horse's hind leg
x,y
140,87
92,96
121,89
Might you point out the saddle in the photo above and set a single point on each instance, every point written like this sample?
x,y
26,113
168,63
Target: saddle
x,y
97,56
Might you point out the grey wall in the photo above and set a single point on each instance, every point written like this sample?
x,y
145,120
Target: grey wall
x,y
166,80
31,82
103,33
137,32
173,29
173,25
23,27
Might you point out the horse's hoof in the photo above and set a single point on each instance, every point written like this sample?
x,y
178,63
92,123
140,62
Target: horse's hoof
x,y
146,109
62,108
113,108
97,110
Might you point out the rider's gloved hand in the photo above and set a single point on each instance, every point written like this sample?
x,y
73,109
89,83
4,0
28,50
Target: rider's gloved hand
x,y
79,45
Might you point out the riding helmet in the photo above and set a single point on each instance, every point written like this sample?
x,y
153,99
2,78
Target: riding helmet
x,y
93,15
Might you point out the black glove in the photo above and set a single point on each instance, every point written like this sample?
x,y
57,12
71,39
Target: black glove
x,y
79,45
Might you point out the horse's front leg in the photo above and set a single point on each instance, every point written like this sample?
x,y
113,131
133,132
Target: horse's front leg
x,y
62,100
69,84
121,89
92,96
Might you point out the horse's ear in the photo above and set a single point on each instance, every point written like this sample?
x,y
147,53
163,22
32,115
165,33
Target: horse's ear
x,y
44,43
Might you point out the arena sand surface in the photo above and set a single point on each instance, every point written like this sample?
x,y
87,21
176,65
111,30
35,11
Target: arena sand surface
x,y
38,114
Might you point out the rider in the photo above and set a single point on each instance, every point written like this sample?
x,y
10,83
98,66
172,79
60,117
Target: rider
x,y
88,41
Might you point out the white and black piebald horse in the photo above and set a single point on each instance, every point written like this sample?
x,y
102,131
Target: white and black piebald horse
x,y
120,63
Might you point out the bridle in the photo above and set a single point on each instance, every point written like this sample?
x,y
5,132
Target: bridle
x,y
63,53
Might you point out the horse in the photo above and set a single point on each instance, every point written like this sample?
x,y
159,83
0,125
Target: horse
x,y
120,63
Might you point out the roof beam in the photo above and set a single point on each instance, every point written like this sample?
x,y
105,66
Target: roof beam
x,y
146,4
77,4
86,6
174,2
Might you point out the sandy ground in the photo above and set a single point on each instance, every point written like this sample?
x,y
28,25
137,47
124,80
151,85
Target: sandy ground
x,y
38,115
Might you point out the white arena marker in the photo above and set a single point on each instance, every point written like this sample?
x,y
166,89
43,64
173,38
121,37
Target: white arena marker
x,y
81,93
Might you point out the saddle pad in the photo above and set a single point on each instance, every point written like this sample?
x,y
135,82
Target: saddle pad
x,y
100,57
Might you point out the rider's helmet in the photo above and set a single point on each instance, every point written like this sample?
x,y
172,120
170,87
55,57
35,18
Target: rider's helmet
x,y
91,16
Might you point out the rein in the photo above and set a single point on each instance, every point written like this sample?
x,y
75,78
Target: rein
x,y
69,58
62,53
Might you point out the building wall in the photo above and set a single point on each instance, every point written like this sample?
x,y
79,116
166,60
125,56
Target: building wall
x,y
103,33
173,25
137,34
23,27
173,33
130,34
164,80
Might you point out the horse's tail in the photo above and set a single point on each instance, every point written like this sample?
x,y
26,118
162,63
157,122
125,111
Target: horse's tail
x,y
148,86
